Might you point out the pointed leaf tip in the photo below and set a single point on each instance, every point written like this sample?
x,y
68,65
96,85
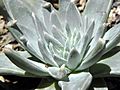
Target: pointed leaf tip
x,y
73,59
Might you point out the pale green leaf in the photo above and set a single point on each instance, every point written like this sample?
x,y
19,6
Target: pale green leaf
x,y
48,59
58,34
99,14
55,20
63,4
73,17
73,59
59,60
58,73
53,40
110,66
113,37
26,64
78,81
93,56
8,68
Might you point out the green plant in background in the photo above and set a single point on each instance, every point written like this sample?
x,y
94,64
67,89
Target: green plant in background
x,y
63,44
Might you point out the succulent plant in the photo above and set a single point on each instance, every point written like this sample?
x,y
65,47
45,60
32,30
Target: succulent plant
x,y
64,44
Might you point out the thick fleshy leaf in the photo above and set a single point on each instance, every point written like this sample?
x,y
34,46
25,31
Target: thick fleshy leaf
x,y
73,59
24,16
48,59
99,14
58,35
25,23
94,55
8,68
82,45
85,23
30,47
53,40
59,60
99,45
39,27
6,3
36,7
58,73
80,81
63,4
73,20
90,29
27,35
98,35
55,20
109,66
113,37
26,64
47,21
16,34
68,31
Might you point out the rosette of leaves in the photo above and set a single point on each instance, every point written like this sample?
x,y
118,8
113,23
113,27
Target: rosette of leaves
x,y
71,47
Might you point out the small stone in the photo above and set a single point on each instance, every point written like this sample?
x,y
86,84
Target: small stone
x,y
2,79
75,1
118,10
56,5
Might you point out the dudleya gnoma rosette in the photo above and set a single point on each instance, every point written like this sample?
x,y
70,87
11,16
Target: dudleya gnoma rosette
x,y
64,42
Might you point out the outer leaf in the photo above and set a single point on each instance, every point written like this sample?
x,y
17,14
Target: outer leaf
x,y
8,68
17,35
80,81
6,3
98,35
24,16
113,37
24,22
99,13
26,64
32,40
94,55
107,67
